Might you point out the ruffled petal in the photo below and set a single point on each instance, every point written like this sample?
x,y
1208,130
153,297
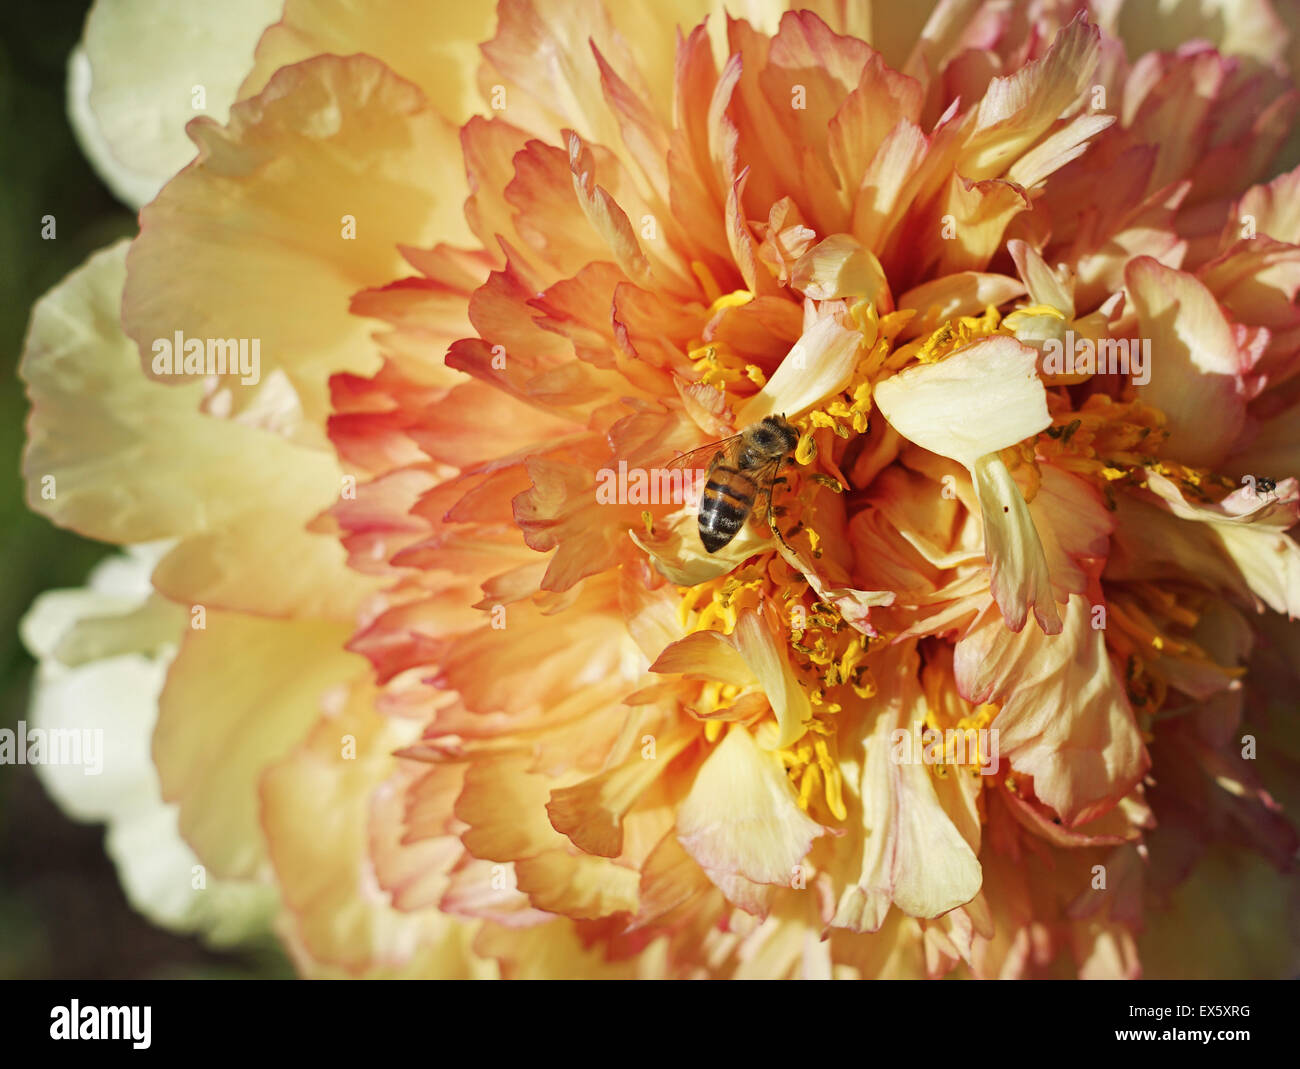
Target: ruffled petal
x,y
1065,718
136,78
361,163
319,845
741,817
435,46
103,654
238,497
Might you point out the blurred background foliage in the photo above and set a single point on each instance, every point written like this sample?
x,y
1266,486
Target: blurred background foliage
x,y
62,912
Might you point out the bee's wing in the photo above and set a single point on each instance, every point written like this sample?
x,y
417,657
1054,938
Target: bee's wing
x,y
703,453
765,474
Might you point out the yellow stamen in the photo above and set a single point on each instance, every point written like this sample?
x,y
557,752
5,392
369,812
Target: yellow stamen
x,y
734,299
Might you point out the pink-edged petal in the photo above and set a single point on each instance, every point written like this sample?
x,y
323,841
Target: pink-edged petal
x,y
1195,365
1020,577
1065,718
1250,529
913,854
741,817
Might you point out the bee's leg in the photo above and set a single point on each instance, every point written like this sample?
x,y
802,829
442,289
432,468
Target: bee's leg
x,y
771,520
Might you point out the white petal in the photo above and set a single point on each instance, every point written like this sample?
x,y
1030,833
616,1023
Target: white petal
x,y
981,399
132,82
678,555
820,364
117,697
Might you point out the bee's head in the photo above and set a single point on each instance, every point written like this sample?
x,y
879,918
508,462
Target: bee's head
x,y
775,432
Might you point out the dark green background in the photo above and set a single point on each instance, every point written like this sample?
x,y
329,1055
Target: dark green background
x,y
62,913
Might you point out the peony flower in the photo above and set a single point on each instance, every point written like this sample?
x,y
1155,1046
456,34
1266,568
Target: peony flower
x,y
990,685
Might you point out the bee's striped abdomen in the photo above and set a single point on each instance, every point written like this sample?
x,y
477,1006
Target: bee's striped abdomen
x,y
724,506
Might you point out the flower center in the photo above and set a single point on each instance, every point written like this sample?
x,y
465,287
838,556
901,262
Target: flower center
x,y
1108,441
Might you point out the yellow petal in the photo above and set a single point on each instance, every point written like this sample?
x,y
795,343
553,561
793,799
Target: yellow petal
x,y
433,45
709,654
316,814
591,813
238,497
1040,280
504,805
1197,369
1056,150
579,886
838,267
1019,108
219,729
741,817
332,147
755,638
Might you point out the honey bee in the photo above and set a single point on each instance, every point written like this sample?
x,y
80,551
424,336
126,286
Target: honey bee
x,y
743,469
